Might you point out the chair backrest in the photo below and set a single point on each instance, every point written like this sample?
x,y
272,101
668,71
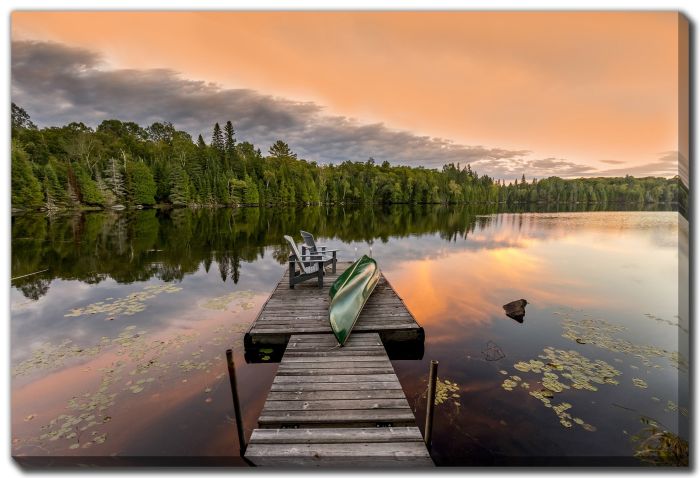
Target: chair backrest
x,y
295,251
309,240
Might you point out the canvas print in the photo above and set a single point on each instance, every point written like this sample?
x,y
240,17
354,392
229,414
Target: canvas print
x,y
350,239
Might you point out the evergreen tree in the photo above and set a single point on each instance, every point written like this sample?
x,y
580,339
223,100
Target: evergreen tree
x,y
26,189
230,148
89,191
217,140
281,150
52,188
179,186
142,187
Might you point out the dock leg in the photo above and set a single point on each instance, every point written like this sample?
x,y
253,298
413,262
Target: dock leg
x,y
432,379
292,268
236,407
335,261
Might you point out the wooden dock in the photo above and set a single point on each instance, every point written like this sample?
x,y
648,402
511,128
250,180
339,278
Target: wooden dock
x,y
330,405
304,310
333,406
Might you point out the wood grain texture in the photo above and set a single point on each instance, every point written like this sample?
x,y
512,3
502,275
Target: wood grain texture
x,y
304,310
336,406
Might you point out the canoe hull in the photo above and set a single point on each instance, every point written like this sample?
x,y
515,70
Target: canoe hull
x,y
349,293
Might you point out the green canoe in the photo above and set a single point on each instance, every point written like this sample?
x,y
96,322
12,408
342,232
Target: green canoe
x,y
348,296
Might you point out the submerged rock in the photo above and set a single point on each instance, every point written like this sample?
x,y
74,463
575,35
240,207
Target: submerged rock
x,y
516,309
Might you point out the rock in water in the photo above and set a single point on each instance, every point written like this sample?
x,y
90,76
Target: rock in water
x,y
516,309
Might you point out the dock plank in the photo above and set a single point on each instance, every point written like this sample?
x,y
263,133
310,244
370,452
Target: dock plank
x,y
333,406
304,310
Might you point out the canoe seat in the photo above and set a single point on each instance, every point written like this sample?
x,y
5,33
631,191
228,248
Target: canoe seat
x,y
311,265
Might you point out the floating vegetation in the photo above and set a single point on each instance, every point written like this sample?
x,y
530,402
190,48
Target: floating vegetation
x,y
600,333
48,356
140,364
129,305
638,382
660,447
573,370
244,298
666,321
446,391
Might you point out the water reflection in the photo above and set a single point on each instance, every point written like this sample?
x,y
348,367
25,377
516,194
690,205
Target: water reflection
x,y
454,267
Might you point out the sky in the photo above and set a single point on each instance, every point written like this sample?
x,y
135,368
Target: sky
x,y
537,93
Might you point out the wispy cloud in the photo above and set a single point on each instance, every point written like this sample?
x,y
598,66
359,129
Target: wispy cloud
x,y
58,84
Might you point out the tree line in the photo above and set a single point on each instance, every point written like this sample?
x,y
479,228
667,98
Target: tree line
x,y
121,164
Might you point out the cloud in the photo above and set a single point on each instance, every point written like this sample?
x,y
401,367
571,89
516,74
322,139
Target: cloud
x,y
612,161
669,163
58,84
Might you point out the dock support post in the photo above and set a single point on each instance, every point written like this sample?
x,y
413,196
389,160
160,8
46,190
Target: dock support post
x,y
432,379
236,407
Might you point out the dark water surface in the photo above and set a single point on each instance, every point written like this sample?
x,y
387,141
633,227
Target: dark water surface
x,y
118,350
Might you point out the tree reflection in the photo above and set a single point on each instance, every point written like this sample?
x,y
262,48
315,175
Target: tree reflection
x,y
168,244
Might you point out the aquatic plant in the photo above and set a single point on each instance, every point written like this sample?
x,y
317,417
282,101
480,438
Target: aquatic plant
x,y
660,447
129,305
601,334
143,362
562,370
222,302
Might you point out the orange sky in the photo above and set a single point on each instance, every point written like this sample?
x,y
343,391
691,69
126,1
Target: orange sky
x,y
587,87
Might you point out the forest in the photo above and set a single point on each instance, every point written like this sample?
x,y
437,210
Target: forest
x,y
124,165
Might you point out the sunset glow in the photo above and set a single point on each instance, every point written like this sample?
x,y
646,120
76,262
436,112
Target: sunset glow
x,y
568,94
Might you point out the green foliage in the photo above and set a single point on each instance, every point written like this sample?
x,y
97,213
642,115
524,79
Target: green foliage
x,y
89,190
141,186
123,163
179,186
26,190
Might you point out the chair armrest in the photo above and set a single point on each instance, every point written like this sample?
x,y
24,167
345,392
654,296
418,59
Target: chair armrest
x,y
313,258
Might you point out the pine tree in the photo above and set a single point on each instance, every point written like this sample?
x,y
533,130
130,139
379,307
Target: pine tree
x,y
230,148
51,187
217,140
142,187
26,189
89,191
281,150
179,186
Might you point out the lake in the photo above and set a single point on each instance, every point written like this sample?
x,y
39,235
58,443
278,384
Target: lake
x,y
118,348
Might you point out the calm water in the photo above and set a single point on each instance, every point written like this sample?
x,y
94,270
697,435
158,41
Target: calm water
x,y
118,349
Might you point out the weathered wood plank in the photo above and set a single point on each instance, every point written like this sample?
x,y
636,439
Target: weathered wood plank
x,y
326,403
335,394
335,435
334,417
357,450
334,386
357,404
321,372
336,364
385,377
329,357
342,463
304,310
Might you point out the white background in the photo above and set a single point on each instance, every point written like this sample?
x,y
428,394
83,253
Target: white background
x,y
7,466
